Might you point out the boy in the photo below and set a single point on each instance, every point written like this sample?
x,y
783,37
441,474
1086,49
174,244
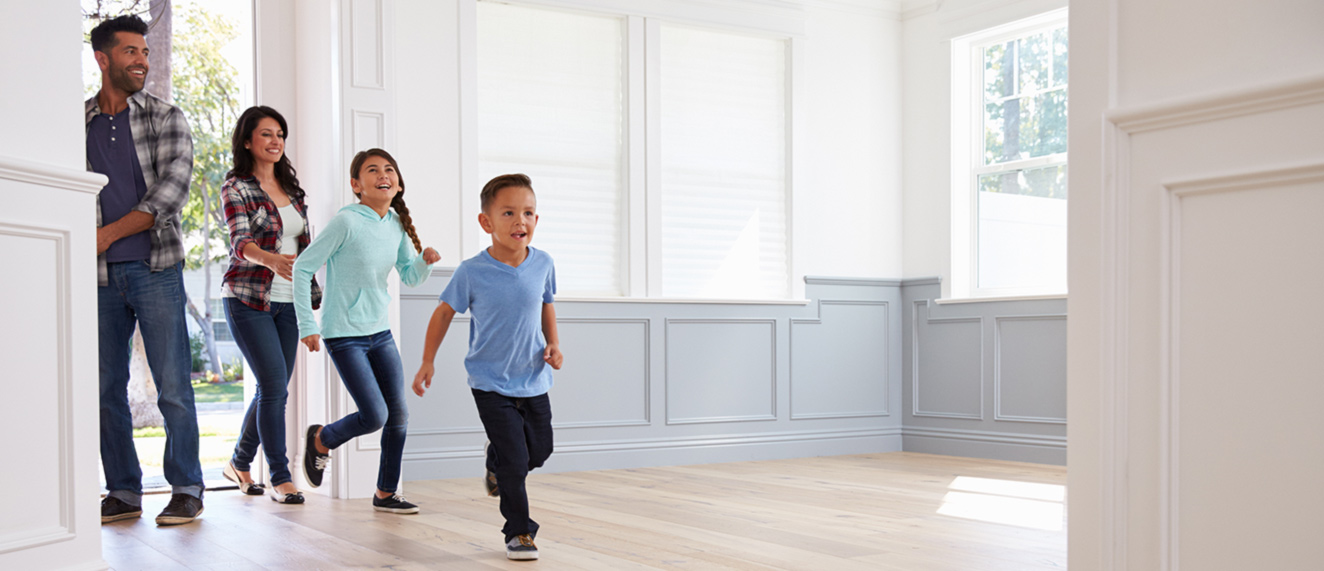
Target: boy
x,y
512,340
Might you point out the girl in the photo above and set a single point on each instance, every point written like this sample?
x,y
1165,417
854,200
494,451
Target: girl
x,y
359,246
268,220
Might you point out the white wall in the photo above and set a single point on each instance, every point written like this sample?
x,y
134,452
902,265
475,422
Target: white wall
x,y
926,151
1197,179
848,216
48,298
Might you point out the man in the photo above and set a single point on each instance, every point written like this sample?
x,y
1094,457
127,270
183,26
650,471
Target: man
x,y
142,144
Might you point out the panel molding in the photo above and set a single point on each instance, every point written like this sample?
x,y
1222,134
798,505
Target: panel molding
x,y
914,363
887,352
361,120
1170,232
66,529
997,368
369,29
858,282
987,436
772,385
1204,108
647,419
679,443
28,172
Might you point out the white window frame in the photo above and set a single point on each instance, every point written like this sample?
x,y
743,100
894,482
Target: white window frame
x,y
967,155
642,203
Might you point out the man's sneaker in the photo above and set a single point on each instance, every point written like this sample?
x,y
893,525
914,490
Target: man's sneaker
x,y
182,508
521,548
115,509
394,503
314,462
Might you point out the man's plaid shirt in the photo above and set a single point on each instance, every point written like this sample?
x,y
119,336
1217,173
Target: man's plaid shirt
x,y
165,151
253,219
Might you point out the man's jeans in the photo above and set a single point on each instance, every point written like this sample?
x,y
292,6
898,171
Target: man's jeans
x,y
519,432
155,301
269,341
371,370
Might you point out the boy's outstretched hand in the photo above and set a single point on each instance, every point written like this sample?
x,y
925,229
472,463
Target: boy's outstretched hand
x,y
423,379
553,356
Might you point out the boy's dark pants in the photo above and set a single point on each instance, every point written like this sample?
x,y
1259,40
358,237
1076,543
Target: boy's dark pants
x,y
520,433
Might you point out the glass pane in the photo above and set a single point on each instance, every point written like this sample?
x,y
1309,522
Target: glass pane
x,y
551,105
994,132
1059,57
1045,182
998,70
723,163
1043,125
1034,62
1023,229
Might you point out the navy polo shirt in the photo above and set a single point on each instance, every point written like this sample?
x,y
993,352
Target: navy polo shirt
x,y
110,152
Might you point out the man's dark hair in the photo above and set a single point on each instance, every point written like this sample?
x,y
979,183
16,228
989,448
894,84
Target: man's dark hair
x,y
103,36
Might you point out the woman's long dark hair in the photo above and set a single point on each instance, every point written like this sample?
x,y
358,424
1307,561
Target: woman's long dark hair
x,y
243,158
397,203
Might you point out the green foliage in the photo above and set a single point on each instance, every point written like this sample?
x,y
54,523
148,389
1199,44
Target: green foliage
x,y
197,345
1025,112
233,371
206,88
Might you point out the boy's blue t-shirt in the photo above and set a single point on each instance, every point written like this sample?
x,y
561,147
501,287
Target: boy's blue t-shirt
x,y
506,343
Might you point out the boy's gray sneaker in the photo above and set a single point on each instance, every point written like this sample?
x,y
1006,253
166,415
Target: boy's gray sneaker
x,y
489,482
521,548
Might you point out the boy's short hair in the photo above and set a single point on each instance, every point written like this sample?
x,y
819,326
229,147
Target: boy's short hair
x,y
495,185
103,36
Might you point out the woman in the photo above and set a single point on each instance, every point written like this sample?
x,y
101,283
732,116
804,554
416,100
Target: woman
x,y
360,246
268,220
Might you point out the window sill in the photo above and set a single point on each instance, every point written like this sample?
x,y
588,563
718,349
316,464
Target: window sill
x,y
669,300
958,300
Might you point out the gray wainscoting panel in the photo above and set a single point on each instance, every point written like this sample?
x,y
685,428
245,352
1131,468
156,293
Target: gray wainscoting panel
x,y
1006,356
947,376
721,370
605,379
1030,369
841,362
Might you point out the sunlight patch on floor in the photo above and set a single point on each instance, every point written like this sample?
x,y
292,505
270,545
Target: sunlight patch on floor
x,y
1023,504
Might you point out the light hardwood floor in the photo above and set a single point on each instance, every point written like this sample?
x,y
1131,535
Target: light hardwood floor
x,y
903,511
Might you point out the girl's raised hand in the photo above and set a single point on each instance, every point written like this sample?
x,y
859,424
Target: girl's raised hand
x,y
430,256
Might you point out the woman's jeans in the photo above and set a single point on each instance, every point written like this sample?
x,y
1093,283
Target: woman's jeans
x,y
155,302
519,431
269,341
370,368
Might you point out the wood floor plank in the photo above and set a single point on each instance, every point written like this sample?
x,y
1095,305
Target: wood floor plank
x,y
897,511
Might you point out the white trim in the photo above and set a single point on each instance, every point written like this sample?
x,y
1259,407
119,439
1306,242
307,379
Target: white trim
x,y
32,172
999,298
1207,107
780,17
1170,326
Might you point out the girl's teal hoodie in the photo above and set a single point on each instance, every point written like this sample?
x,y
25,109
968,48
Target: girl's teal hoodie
x,y
359,249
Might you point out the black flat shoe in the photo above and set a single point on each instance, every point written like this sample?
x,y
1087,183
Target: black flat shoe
x,y
248,488
295,498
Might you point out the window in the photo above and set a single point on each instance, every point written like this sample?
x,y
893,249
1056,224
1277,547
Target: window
x,y
1010,159
659,151
220,328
